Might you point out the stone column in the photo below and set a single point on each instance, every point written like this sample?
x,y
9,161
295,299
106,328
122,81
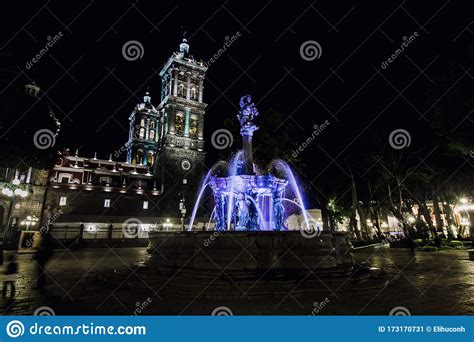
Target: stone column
x,y
186,122
220,212
175,82
171,115
247,133
201,127
200,88
170,84
147,127
188,86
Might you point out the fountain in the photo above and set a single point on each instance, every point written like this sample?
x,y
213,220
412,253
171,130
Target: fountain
x,y
250,237
246,200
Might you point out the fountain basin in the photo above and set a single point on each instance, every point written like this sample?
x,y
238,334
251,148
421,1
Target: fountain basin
x,y
252,252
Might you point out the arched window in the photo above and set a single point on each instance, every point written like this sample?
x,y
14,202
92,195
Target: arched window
x,y
181,90
139,157
151,132
179,124
193,93
141,134
193,126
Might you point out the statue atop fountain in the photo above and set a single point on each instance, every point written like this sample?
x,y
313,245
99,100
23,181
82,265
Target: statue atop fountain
x,y
247,113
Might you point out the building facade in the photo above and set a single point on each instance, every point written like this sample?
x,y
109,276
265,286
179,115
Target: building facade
x,y
180,161
91,196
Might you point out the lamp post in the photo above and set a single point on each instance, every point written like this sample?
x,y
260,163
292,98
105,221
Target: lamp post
x,y
30,220
12,191
182,208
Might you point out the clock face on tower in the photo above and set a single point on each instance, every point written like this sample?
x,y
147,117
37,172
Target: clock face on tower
x,y
186,164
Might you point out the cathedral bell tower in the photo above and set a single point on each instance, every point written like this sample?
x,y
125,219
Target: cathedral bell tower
x,y
181,151
144,133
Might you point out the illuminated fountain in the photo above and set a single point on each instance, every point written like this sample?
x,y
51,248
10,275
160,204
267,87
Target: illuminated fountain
x,y
250,237
245,199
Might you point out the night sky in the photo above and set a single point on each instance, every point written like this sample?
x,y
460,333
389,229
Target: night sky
x,y
346,85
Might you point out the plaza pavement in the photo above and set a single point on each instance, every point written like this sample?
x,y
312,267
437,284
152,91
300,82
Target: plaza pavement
x,y
440,283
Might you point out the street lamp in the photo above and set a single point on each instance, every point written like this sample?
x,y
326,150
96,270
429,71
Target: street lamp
x,y
29,221
12,191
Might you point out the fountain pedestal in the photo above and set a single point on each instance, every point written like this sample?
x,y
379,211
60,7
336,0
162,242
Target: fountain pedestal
x,y
255,202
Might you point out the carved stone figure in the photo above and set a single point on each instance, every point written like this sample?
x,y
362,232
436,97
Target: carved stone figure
x,y
247,112
243,214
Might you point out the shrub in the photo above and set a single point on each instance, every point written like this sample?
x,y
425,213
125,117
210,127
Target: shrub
x,y
428,249
454,244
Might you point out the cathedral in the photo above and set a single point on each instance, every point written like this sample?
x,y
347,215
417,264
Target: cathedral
x,y
155,183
